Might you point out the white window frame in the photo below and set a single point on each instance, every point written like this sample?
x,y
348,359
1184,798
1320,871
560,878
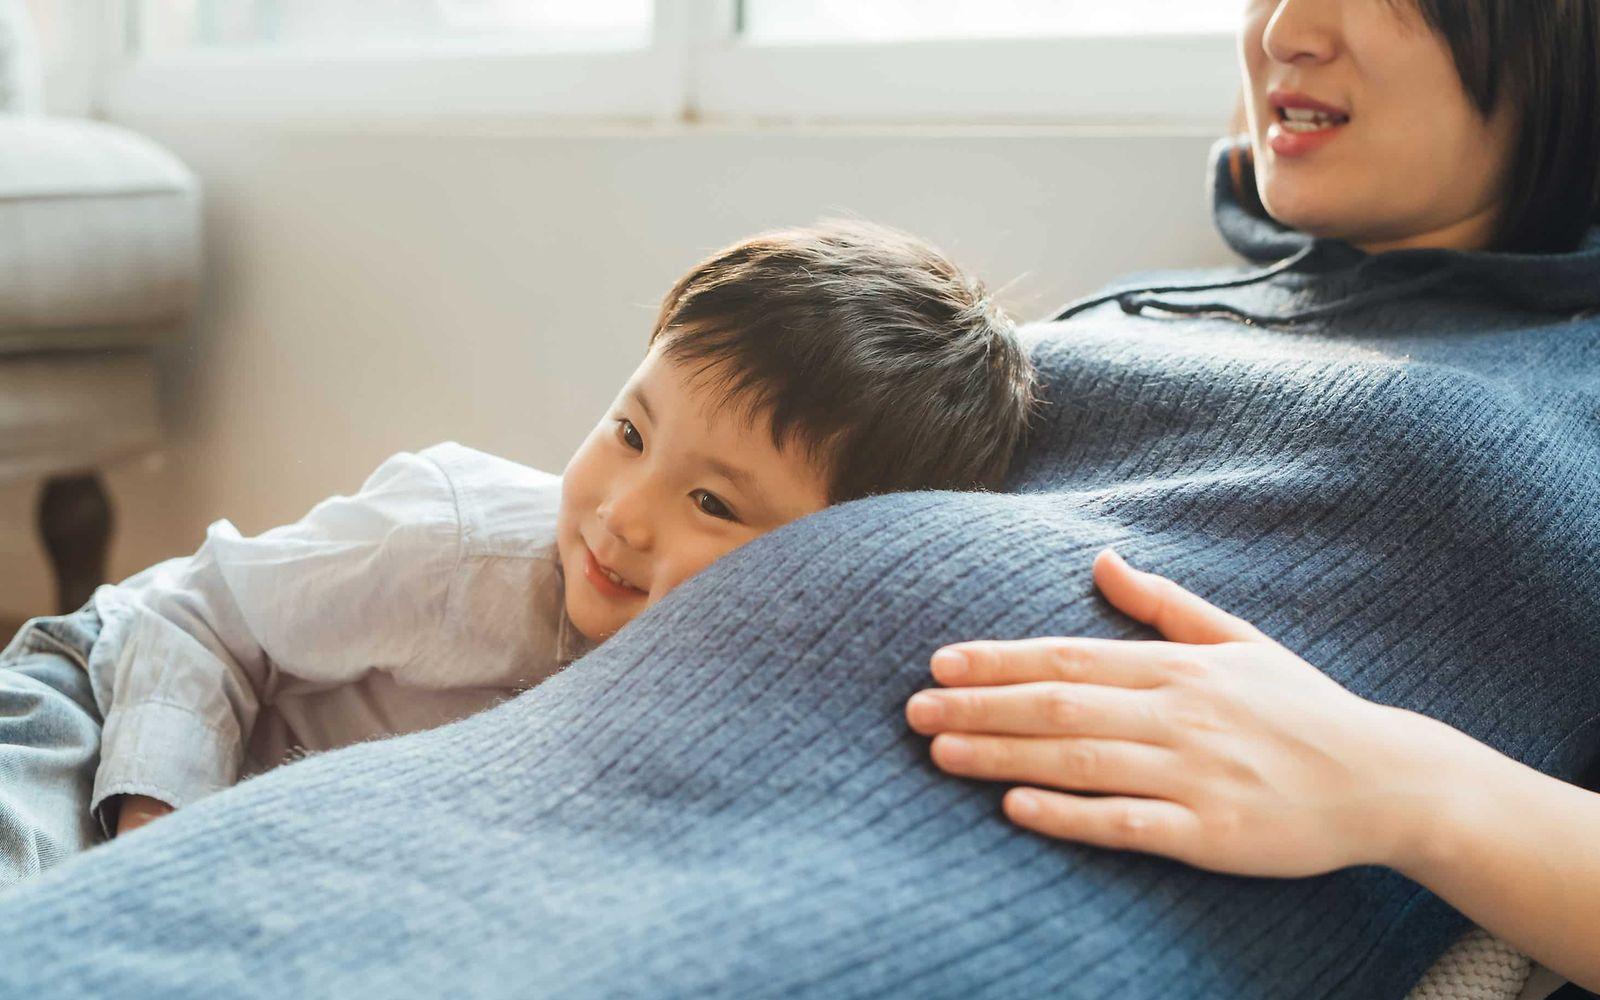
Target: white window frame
x,y
695,70
454,82
1164,79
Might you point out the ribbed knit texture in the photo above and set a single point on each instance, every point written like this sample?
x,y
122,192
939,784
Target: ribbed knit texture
x,y
724,800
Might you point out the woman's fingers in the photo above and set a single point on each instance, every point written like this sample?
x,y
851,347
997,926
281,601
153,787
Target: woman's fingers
x,y
1180,616
1049,708
1154,826
988,662
1081,764
1171,610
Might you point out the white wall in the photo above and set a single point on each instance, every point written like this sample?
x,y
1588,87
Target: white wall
x,y
371,291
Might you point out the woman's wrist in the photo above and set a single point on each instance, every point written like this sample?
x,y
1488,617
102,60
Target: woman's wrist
x,y
1510,847
1429,791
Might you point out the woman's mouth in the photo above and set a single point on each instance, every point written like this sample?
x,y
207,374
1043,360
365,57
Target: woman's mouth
x,y
607,581
1303,124
1306,120
1301,131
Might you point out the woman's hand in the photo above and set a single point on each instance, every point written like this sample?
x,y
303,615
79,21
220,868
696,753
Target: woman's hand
x,y
1220,748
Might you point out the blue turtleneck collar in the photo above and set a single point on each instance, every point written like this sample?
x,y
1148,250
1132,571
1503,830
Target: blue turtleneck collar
x,y
1302,278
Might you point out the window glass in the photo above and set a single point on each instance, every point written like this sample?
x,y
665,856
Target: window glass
x,y
802,21
51,24
353,25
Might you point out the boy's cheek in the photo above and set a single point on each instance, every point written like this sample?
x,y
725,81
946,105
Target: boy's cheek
x,y
689,569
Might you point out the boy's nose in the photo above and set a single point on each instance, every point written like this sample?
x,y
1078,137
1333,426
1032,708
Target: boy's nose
x,y
624,516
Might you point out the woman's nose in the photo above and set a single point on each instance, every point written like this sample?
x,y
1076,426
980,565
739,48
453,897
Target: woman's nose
x,y
1302,31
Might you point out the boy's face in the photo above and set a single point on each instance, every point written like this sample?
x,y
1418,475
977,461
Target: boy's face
x,y
661,488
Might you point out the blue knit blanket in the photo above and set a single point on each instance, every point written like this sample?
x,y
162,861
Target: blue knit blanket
x,y
724,800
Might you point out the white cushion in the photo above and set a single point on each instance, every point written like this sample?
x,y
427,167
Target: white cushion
x,y
99,235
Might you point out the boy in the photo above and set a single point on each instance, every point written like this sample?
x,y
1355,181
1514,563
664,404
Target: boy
x,y
791,371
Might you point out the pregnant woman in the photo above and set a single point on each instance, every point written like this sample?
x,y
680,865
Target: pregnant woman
x,y
1380,445
1423,135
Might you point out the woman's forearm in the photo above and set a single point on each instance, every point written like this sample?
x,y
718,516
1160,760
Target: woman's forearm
x,y
1515,850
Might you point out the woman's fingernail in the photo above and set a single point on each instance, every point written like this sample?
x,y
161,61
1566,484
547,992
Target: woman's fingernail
x,y
1024,805
926,709
951,663
956,751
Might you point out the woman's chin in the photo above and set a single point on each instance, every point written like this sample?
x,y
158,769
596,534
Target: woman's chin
x,y
1309,212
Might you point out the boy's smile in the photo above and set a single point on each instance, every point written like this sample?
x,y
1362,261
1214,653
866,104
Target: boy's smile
x,y
670,480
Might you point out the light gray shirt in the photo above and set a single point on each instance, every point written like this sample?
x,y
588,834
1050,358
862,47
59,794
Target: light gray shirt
x,y
432,593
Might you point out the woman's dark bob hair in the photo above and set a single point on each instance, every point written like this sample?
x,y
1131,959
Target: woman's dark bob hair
x,y
1543,56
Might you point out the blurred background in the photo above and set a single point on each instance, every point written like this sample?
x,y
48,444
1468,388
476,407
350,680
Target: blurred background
x,y
425,220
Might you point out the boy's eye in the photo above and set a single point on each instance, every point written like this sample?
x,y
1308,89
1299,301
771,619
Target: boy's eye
x,y
709,504
629,434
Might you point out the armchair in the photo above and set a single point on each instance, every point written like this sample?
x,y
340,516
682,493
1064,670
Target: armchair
x,y
99,237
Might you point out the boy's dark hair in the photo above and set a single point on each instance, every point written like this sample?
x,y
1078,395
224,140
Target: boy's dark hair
x,y
1540,56
863,346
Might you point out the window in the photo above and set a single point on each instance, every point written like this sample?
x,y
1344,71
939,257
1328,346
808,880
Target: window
x,y
394,59
343,26
1165,62
801,21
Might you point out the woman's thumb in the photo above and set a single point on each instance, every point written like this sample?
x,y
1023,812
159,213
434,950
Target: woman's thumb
x,y
1174,612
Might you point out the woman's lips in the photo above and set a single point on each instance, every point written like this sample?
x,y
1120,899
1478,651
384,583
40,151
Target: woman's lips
x,y
596,575
1287,143
1282,99
1302,124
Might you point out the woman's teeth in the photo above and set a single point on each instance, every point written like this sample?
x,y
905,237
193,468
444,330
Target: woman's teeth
x,y
619,581
1307,120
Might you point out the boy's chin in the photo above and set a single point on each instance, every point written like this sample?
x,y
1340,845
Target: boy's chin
x,y
595,628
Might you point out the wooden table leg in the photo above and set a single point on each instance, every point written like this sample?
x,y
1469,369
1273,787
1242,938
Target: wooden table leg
x,y
75,522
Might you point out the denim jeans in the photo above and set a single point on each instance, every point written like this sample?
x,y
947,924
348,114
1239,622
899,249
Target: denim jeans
x,y
49,744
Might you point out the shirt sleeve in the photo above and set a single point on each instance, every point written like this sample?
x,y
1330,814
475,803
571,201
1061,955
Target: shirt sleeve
x,y
193,647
